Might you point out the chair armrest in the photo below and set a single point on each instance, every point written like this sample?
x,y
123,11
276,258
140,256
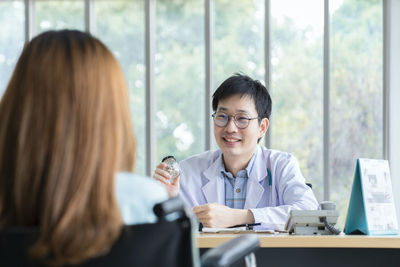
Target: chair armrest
x,y
169,206
231,251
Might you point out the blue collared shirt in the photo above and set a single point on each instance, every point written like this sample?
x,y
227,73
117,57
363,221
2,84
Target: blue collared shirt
x,y
235,187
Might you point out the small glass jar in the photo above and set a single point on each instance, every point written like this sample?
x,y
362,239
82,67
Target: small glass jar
x,y
172,167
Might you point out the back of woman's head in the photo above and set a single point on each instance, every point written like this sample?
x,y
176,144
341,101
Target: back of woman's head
x,y
65,131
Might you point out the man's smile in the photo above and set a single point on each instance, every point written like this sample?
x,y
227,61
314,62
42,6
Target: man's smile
x,y
231,139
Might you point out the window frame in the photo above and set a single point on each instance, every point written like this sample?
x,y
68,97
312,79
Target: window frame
x,y
390,82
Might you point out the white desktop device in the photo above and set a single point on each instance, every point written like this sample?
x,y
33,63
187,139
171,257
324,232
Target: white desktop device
x,y
314,222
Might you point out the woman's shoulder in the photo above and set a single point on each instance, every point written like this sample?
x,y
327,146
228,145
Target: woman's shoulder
x,y
136,195
134,184
132,179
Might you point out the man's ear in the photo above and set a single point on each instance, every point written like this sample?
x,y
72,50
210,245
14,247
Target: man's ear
x,y
263,127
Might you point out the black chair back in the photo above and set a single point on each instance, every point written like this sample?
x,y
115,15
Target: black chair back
x,y
165,243
169,242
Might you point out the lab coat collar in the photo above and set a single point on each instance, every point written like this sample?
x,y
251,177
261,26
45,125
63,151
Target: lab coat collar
x,y
214,190
258,173
248,168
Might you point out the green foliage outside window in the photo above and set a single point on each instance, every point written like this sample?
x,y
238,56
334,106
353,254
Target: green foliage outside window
x,y
356,64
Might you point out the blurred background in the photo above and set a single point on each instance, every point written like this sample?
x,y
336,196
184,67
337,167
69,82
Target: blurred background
x,y
284,43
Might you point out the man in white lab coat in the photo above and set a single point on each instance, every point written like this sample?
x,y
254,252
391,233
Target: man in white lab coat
x,y
241,182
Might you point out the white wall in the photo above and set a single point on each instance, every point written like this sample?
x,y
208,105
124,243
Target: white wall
x,y
393,97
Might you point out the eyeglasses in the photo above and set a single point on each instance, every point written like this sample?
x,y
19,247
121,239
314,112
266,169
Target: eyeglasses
x,y
241,120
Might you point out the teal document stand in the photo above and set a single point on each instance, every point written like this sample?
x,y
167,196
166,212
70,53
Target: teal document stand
x,y
357,214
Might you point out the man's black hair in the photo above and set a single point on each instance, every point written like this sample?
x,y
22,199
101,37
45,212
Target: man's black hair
x,y
244,85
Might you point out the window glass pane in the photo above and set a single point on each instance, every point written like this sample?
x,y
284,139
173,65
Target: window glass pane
x,y
120,25
356,91
238,39
11,38
297,84
179,78
61,14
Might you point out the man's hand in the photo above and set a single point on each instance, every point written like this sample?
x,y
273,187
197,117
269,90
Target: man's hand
x,y
163,176
217,215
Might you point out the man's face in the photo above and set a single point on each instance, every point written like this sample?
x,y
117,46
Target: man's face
x,y
236,143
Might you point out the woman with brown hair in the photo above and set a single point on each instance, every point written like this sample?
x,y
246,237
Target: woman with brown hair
x,y
65,133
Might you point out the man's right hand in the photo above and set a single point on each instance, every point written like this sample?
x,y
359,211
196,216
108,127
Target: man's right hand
x,y
163,176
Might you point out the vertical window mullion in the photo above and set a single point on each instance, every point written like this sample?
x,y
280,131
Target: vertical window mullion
x,y
386,79
209,34
90,19
267,60
30,19
326,104
150,91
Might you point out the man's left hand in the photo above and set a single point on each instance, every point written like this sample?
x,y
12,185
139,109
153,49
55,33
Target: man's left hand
x,y
217,215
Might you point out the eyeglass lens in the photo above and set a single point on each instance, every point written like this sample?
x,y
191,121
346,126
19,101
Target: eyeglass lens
x,y
241,120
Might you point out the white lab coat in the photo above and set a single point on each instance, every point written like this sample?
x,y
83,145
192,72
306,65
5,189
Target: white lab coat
x,y
270,199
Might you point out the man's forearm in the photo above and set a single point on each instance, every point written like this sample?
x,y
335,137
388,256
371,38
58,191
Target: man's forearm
x,y
242,216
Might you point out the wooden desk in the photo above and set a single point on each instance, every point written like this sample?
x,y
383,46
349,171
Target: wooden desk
x,y
291,250
292,241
